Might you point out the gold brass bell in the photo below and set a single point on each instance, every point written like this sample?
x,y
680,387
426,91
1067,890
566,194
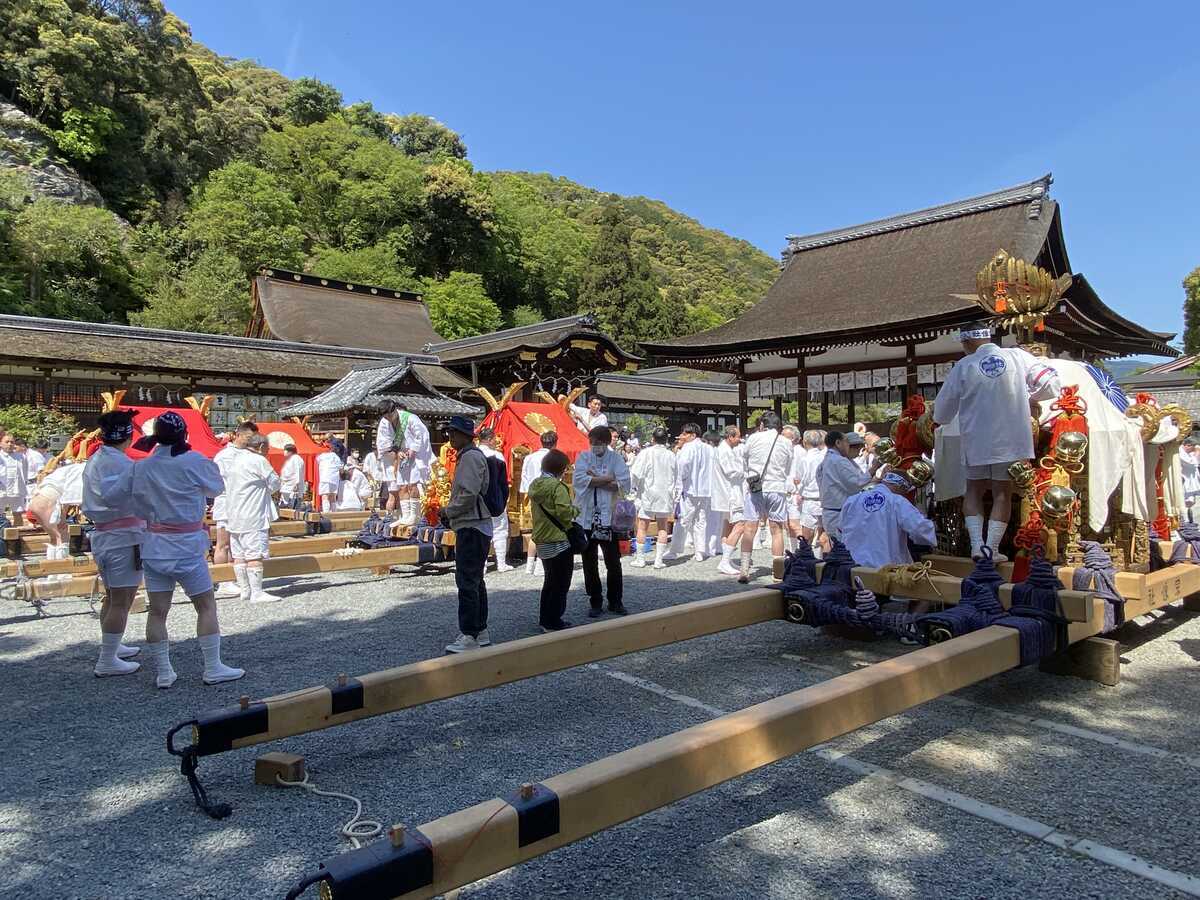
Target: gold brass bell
x,y
885,449
1071,447
1056,505
920,473
1022,474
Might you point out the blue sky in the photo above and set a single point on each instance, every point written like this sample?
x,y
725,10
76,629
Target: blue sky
x,y
768,119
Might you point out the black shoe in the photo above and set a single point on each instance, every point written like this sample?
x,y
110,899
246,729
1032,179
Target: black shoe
x,y
618,609
595,612
559,626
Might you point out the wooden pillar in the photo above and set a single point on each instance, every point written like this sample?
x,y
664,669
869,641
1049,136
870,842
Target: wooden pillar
x,y
910,366
824,409
850,410
801,393
743,403
777,405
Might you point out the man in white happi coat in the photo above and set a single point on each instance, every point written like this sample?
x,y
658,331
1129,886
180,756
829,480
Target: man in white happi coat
x,y
329,476
992,390
354,490
839,478
487,443
588,417
729,472
250,480
14,478
806,462
878,522
116,538
292,482
402,444
768,464
237,444
35,459
531,470
169,491
653,477
694,487
48,500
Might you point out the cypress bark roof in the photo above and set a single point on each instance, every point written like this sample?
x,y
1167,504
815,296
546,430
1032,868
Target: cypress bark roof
x,y
539,336
909,276
292,306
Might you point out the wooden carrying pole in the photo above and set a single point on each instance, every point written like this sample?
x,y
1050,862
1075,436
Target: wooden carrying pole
x,y
379,693
470,844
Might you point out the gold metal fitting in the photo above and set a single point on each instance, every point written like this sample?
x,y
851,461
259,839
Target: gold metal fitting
x,y
343,680
1056,505
920,472
885,449
526,790
1070,448
939,635
244,702
396,835
1022,474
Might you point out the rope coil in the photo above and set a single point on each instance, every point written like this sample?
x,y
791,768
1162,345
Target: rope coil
x,y
356,829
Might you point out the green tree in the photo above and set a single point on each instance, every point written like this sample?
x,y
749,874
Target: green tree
x,y
35,423
378,264
524,315
459,307
246,213
618,286
310,101
74,261
1191,312
419,135
458,217
212,296
366,120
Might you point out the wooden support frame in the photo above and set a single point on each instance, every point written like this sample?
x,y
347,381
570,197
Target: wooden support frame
x,y
1095,658
390,690
470,844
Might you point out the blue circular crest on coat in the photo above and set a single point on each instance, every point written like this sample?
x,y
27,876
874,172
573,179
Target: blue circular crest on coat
x,y
874,502
993,366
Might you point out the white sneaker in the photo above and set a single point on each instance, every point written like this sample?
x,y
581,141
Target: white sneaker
x,y
264,597
222,674
462,644
124,652
504,568
484,639
117,667
639,562
228,591
698,557
659,564
165,681
725,567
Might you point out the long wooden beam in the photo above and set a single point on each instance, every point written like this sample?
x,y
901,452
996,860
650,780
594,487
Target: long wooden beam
x,y
470,844
303,564
379,693
85,564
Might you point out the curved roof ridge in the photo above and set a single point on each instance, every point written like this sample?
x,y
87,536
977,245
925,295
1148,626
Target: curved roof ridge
x,y
1032,192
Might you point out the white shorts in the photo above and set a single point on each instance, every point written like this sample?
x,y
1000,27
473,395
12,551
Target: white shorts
x,y
769,505
191,574
116,567
249,544
810,514
327,487
991,472
733,516
793,507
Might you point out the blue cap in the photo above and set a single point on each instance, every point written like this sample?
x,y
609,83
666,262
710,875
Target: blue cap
x,y
463,424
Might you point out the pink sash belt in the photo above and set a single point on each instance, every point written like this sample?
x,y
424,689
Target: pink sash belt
x,y
126,522
185,528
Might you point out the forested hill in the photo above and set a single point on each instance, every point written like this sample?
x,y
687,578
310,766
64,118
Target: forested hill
x,y
210,167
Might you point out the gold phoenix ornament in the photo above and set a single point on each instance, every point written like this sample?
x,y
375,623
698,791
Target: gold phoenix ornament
x,y
1018,290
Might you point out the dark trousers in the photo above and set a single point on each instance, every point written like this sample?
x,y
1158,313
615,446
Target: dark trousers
x,y
556,584
591,572
470,556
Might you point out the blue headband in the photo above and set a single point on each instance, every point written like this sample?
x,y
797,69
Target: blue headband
x,y
897,480
975,334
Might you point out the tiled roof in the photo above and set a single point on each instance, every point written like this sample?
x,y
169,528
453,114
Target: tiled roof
x,y
371,385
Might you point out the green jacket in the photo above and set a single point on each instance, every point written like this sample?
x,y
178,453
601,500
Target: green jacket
x,y
551,493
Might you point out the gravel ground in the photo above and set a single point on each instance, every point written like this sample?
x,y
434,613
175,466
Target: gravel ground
x,y
91,806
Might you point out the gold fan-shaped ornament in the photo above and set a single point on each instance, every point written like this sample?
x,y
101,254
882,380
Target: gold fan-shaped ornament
x,y
1018,291
1150,415
1182,418
539,423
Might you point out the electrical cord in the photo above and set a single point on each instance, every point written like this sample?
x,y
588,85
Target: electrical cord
x,y
357,829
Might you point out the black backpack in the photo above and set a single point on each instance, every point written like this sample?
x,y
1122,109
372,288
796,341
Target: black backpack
x,y
495,498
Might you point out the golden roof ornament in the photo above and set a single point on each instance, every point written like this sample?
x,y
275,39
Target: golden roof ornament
x,y
1016,291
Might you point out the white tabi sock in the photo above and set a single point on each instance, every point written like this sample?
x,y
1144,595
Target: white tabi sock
x,y
747,560
659,550
974,532
727,552
243,581
109,663
995,534
216,671
160,653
